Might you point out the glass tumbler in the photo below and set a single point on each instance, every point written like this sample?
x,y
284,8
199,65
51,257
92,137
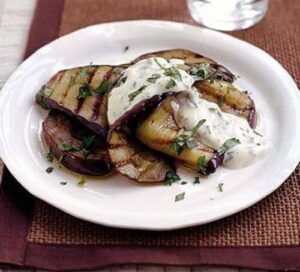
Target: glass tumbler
x,y
227,15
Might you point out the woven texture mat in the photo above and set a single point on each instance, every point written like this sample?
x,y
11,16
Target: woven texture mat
x,y
272,222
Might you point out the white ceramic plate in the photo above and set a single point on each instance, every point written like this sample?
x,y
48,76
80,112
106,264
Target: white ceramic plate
x,y
115,200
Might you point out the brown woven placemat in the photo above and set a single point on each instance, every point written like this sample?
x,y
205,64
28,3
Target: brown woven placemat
x,y
272,222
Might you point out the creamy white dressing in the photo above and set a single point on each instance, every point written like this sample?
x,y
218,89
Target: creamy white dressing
x,y
219,127
120,99
189,109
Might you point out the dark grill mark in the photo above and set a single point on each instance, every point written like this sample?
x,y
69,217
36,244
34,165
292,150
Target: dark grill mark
x,y
89,80
99,98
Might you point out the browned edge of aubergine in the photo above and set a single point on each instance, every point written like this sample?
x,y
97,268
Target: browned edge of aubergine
x,y
136,161
58,129
191,59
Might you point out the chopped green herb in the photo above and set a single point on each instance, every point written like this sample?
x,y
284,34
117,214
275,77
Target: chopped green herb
x,y
63,182
220,187
134,94
191,143
126,48
186,139
82,182
157,62
183,183
88,141
228,144
153,78
71,81
257,133
212,110
122,80
103,87
221,100
171,177
171,84
197,180
49,170
202,164
179,197
173,72
64,146
199,124
50,156
200,71
84,91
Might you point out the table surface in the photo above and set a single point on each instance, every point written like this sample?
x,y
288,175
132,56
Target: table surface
x,y
15,19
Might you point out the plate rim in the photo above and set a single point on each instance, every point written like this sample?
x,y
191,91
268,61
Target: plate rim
x,y
39,194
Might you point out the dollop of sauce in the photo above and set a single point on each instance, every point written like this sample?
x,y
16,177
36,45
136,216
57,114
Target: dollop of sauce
x,y
143,80
156,76
218,128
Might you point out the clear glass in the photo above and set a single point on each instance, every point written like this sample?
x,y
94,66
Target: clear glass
x,y
228,15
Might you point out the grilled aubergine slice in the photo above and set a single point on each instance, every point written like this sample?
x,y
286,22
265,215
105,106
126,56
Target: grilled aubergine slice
x,y
229,98
76,147
160,130
81,93
136,161
192,61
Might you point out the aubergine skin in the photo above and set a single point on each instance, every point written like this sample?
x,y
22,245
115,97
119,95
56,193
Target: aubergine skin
x,y
137,161
229,99
58,128
159,130
62,90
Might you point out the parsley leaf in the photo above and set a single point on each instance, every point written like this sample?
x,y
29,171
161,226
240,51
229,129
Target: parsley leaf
x,y
171,84
171,177
134,94
50,156
255,132
103,87
84,91
202,164
153,78
88,141
227,145
186,139
199,124
197,180
82,182
64,146
183,183
173,72
180,197
157,62
200,71
49,170
126,48
63,182
191,143
220,187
